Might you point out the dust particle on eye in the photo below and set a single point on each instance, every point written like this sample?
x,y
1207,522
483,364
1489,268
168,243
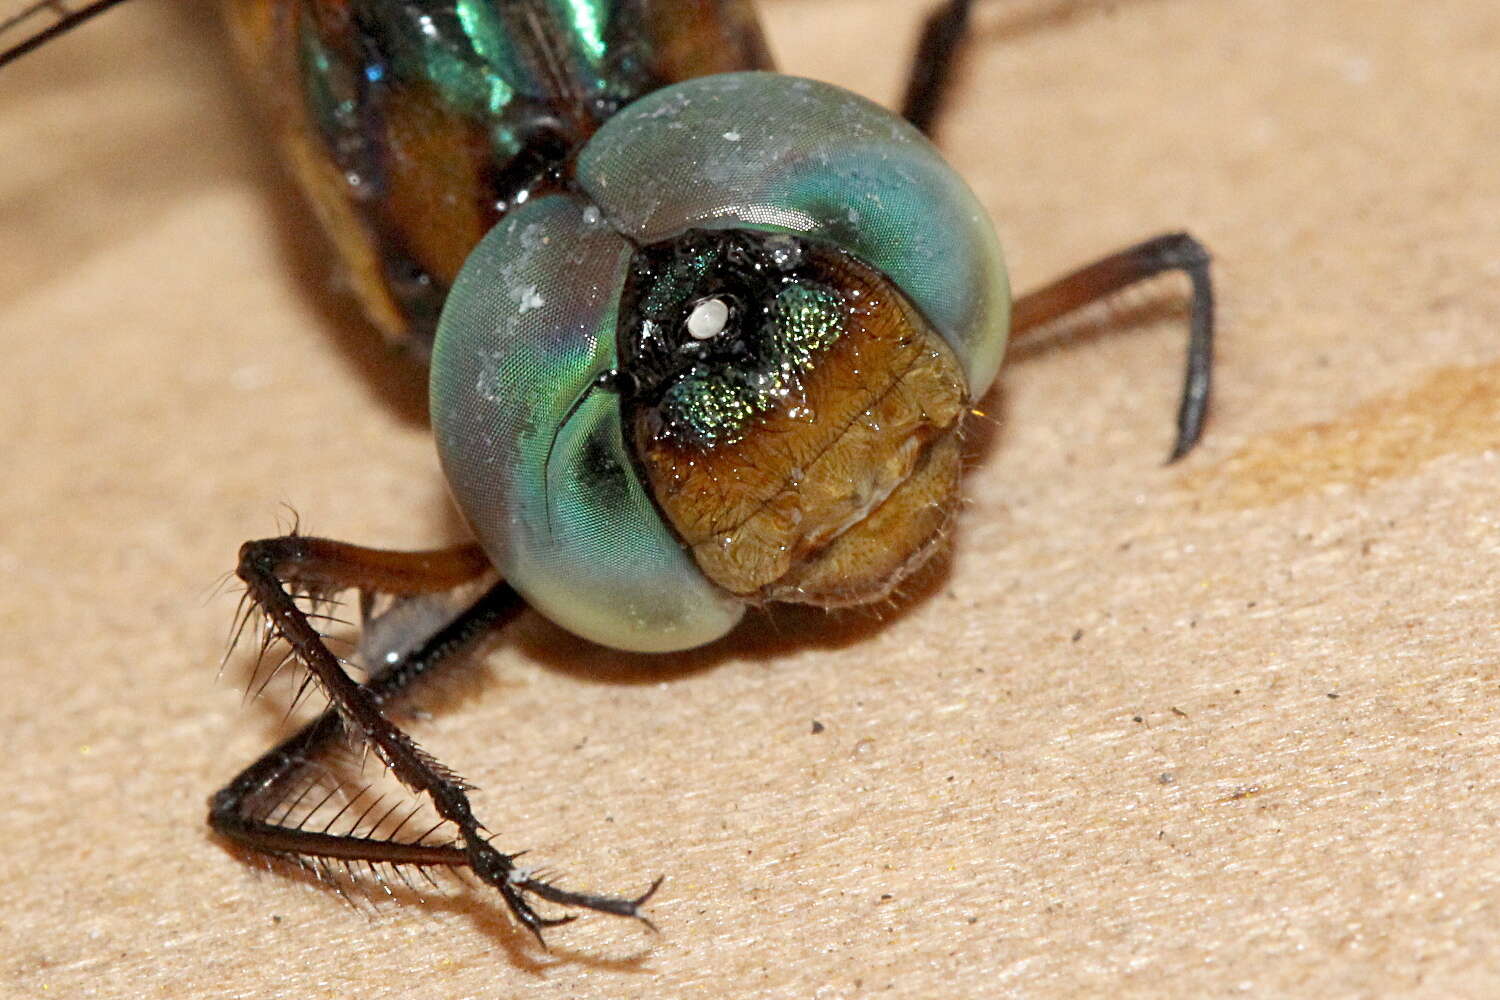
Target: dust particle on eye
x,y
530,299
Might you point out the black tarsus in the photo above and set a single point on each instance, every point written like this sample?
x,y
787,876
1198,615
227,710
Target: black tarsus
x,y
939,51
1122,269
241,810
1181,252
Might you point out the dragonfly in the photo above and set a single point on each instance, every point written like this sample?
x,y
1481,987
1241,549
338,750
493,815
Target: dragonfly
x,y
701,337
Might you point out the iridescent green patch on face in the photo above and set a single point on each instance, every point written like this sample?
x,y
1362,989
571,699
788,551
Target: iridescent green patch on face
x,y
719,406
806,318
795,417
710,408
668,292
722,327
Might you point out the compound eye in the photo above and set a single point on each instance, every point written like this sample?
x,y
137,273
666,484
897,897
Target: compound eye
x,y
708,319
806,160
527,418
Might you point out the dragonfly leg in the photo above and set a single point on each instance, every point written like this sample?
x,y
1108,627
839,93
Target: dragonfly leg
x,y
1120,270
253,809
931,73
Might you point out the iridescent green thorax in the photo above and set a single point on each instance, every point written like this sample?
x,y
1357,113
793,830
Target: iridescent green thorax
x,y
415,125
531,80
495,59
781,315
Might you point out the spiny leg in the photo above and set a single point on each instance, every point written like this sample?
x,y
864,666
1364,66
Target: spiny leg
x,y
276,571
238,809
1120,270
932,67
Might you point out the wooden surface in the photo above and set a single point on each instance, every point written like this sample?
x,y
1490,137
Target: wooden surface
x,y
1223,728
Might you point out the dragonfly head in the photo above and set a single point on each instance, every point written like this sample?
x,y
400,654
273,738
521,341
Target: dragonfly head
x,y
730,369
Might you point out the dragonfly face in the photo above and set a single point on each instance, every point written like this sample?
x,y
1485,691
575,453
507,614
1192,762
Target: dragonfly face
x,y
639,477
638,483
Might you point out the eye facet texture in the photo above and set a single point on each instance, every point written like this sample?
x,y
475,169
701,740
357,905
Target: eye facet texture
x,y
526,391
771,152
530,441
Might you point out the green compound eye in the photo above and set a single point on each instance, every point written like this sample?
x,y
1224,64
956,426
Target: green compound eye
x,y
551,333
530,440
